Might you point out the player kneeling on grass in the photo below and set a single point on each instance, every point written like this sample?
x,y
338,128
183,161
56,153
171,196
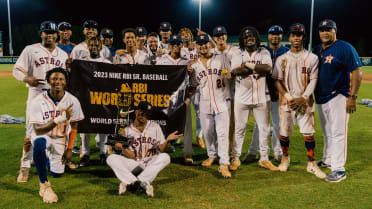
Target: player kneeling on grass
x,y
296,72
141,161
53,113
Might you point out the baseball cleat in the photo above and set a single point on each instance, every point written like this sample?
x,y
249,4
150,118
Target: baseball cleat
x,y
23,175
147,189
122,188
267,164
188,161
314,169
224,171
278,158
200,142
84,161
72,165
249,158
284,164
47,193
235,163
75,150
208,162
336,176
322,164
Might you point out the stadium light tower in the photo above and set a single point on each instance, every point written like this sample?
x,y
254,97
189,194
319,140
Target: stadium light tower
x,y
311,25
10,31
200,5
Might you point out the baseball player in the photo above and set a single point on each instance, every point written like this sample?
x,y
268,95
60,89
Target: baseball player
x,y
141,38
54,116
251,95
81,51
131,55
141,161
296,74
94,46
165,33
64,32
31,66
234,57
275,35
174,58
214,103
190,52
107,38
152,48
336,95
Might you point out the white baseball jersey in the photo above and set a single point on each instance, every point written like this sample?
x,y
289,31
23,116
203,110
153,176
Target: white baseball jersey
x,y
166,59
163,45
44,108
296,70
253,88
214,91
81,52
100,59
139,58
233,55
145,144
189,54
35,60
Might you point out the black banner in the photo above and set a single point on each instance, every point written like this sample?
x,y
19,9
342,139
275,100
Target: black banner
x,y
107,93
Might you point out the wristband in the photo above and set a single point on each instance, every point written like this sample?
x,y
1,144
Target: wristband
x,y
250,65
354,96
288,96
61,118
71,138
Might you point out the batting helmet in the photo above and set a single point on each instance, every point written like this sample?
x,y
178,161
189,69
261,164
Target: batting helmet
x,y
296,28
48,26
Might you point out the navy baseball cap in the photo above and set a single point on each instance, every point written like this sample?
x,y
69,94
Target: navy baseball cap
x,y
165,26
219,30
48,26
141,31
145,106
175,40
327,23
297,28
202,38
107,32
90,24
64,26
247,32
275,28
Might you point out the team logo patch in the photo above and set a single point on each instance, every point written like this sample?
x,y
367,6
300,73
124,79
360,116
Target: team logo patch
x,y
219,29
140,29
328,59
324,22
164,25
201,37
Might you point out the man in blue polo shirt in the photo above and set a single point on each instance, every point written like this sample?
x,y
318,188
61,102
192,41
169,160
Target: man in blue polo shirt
x,y
335,97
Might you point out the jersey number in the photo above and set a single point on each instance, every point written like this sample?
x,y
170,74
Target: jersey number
x,y
220,83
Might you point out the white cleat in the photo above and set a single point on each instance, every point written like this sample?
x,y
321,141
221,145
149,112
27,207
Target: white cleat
x,y
122,188
23,175
314,169
47,193
148,189
284,164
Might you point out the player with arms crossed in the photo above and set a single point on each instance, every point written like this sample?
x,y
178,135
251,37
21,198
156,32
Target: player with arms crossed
x,y
296,74
336,95
53,115
214,102
31,66
140,162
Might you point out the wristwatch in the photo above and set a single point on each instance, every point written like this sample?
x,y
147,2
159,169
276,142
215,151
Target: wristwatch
x,y
353,96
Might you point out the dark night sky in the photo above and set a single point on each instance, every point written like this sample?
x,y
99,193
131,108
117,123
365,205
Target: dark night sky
x,y
352,16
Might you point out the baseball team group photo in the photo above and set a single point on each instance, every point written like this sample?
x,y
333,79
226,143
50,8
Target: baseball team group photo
x,y
175,115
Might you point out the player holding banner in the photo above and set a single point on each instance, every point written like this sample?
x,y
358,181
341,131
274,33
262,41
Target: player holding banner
x,y
53,115
297,72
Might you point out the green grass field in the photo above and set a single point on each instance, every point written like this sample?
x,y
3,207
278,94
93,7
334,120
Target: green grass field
x,y
179,186
6,67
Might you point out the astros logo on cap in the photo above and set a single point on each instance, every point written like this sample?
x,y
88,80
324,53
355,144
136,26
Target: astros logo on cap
x,y
174,36
164,25
201,37
324,22
219,29
140,29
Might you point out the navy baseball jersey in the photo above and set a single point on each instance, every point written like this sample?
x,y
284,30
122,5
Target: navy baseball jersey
x,y
66,48
335,65
277,53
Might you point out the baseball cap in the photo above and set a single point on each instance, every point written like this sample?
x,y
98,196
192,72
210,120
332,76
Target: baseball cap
x,y
327,23
165,26
275,28
297,28
145,106
90,24
141,31
64,26
247,32
48,26
202,38
219,30
175,40
107,32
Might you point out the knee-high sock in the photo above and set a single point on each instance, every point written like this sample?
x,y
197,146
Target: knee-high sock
x,y
310,147
284,143
40,159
